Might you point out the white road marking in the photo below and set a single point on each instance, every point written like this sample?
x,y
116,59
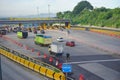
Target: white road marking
x,y
92,61
101,71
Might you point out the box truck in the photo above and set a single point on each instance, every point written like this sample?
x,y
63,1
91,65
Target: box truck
x,y
43,40
22,34
56,49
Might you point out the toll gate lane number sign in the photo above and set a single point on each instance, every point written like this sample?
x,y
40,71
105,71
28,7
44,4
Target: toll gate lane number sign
x,y
66,68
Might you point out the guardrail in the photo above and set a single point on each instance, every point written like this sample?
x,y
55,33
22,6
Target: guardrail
x,y
105,31
33,64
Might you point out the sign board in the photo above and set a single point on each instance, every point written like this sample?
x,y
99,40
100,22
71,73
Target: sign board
x,y
66,68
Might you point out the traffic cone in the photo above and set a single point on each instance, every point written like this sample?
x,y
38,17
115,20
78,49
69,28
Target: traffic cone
x,y
32,50
38,53
59,65
21,45
81,77
18,44
26,47
45,56
50,59
0,35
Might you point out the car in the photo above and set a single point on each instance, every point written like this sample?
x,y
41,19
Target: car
x,y
60,39
42,32
70,43
35,31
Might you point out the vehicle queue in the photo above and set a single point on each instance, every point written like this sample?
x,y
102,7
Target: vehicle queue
x,y
40,39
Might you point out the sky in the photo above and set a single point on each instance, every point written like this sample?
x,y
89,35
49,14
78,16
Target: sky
x,y
12,8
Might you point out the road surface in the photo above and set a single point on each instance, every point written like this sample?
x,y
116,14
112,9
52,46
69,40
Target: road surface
x,y
14,71
89,47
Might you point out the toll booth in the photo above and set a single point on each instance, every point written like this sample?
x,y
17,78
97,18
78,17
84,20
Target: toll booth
x,y
44,26
67,25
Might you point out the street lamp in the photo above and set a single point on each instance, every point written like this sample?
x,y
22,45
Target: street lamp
x,y
49,11
38,11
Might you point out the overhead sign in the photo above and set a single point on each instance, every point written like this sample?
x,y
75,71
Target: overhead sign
x,y
66,68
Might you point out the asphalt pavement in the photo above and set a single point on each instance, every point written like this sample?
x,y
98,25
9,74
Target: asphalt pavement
x,y
14,71
89,47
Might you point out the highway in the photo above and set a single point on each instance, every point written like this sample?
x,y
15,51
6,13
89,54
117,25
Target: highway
x,y
89,47
14,71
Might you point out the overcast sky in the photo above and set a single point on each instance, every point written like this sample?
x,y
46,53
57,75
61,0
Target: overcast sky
x,y
9,8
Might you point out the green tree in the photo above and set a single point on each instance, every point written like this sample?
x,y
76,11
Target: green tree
x,y
84,14
81,6
60,15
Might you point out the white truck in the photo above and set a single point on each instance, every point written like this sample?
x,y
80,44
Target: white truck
x,y
56,49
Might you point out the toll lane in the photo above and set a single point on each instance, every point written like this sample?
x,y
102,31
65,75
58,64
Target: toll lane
x,y
104,42
83,51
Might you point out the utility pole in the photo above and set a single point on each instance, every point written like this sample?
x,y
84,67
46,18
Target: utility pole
x,y
0,68
49,11
38,11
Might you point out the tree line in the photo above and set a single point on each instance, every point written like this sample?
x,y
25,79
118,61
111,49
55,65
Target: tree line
x,y
84,14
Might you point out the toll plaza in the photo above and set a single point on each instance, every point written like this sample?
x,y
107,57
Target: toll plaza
x,y
40,24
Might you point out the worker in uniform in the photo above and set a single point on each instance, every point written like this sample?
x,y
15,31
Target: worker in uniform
x,y
68,56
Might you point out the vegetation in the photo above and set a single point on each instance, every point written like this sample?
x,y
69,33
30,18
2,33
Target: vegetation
x,y
84,14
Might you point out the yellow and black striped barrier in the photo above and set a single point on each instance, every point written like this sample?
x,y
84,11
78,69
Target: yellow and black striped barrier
x,y
104,31
33,64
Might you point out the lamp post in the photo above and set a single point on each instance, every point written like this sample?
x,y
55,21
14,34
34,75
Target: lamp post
x,y
38,11
49,11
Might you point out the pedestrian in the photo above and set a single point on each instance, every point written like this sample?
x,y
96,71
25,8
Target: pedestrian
x,y
67,56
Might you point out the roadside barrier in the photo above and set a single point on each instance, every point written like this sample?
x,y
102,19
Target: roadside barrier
x,y
27,63
31,63
37,68
79,28
107,32
104,31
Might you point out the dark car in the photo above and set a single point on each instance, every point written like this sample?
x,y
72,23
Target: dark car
x,y
42,32
3,32
70,43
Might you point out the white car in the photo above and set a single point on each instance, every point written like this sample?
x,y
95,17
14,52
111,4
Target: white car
x,y
60,39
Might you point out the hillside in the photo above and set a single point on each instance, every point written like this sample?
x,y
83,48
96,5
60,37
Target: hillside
x,y
84,14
